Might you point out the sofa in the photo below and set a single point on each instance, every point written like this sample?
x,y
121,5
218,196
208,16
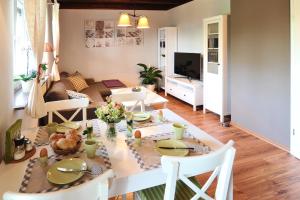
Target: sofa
x,y
96,91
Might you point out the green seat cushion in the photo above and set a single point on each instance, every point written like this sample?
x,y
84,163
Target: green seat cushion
x,y
183,192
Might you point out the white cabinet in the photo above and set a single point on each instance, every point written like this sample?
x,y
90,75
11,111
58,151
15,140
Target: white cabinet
x,y
190,91
295,78
215,66
167,46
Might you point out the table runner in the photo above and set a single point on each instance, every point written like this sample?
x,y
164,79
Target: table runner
x,y
148,158
35,179
42,136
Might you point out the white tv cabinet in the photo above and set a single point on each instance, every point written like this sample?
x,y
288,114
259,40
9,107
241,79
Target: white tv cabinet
x,y
190,91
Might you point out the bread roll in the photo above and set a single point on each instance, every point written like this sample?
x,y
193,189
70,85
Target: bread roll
x,y
56,136
73,136
66,144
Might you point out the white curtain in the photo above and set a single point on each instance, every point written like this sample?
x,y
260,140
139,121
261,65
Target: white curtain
x,y
55,32
35,12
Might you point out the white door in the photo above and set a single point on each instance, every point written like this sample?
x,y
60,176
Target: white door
x,y
295,78
214,65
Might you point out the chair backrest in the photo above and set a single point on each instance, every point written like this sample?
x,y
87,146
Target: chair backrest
x,y
96,189
53,107
137,97
219,163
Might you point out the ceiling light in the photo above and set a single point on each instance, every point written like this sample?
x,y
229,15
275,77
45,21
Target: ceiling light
x,y
143,22
124,20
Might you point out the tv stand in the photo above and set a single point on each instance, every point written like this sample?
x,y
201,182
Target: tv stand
x,y
189,91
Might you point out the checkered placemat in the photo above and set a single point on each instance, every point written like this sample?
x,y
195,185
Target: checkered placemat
x,y
35,178
42,136
148,158
122,126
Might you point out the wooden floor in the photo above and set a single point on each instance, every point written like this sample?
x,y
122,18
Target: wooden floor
x,y
261,171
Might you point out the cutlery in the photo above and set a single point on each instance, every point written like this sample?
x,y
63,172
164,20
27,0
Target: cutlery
x,y
95,170
189,148
161,140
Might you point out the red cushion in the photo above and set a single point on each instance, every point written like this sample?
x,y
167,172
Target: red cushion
x,y
113,83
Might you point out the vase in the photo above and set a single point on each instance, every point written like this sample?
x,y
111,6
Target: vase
x,y
26,86
111,132
150,87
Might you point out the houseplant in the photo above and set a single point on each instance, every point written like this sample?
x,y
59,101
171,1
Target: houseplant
x,y
111,113
26,81
150,76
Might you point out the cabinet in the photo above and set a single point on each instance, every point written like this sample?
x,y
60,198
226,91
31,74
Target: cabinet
x,y
167,46
215,66
189,91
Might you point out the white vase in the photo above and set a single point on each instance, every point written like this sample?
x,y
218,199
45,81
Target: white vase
x,y
150,87
26,86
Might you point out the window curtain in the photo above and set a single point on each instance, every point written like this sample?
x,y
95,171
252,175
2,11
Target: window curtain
x,y
55,32
35,15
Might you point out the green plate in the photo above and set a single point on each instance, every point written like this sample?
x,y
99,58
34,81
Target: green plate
x,y
140,116
171,152
71,125
62,129
62,178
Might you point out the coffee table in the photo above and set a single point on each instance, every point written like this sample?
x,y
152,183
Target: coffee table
x,y
152,98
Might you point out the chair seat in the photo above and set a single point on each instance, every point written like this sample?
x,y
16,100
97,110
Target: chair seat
x,y
183,192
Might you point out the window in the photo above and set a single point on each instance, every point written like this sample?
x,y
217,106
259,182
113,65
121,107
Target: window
x,y
23,57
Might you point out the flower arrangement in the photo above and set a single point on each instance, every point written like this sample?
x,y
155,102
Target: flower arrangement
x,y
112,112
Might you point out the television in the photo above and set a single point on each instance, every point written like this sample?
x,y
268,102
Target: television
x,y
188,65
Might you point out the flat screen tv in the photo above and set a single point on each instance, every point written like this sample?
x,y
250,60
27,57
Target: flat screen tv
x,y
188,65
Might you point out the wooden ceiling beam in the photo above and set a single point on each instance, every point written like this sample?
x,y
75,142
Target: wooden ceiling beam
x,y
121,4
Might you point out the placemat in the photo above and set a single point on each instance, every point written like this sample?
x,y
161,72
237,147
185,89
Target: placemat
x,y
35,178
148,158
122,126
42,136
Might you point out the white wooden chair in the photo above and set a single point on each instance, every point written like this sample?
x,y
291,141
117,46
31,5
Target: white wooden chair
x,y
137,97
96,189
53,107
179,169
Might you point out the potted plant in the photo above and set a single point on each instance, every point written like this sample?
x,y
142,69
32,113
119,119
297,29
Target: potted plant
x,y
26,81
150,76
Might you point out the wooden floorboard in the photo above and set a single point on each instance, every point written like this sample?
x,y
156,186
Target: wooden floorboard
x,y
261,170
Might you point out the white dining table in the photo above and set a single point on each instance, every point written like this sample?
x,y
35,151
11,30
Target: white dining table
x,y
129,176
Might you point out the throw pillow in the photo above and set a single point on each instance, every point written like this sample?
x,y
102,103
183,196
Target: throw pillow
x,y
78,81
77,95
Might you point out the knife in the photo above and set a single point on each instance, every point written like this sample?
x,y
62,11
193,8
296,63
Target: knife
x,y
189,148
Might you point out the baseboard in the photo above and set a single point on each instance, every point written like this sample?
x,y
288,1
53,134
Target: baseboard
x,y
259,136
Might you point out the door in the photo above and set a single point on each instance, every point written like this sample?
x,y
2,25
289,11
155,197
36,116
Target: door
x,y
214,65
295,78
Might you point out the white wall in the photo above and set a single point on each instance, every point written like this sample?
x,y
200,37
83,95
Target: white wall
x,y
106,63
189,20
6,66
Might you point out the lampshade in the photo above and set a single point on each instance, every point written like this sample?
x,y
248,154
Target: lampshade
x,y
143,22
48,47
124,20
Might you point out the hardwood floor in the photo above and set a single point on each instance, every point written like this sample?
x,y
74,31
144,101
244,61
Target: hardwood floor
x,y
261,170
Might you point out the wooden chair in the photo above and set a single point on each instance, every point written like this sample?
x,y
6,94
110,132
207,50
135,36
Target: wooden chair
x,y
137,97
179,169
53,107
96,189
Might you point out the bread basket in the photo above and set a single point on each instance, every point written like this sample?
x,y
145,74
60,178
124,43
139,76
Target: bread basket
x,y
69,151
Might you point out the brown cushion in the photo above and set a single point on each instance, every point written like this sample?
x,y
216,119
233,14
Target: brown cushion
x,y
78,81
102,89
68,84
93,93
57,92
64,74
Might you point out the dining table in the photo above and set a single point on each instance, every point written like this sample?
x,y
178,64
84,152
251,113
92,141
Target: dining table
x,y
130,176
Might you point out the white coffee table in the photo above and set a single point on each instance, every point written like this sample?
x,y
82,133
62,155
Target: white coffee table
x,y
151,99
